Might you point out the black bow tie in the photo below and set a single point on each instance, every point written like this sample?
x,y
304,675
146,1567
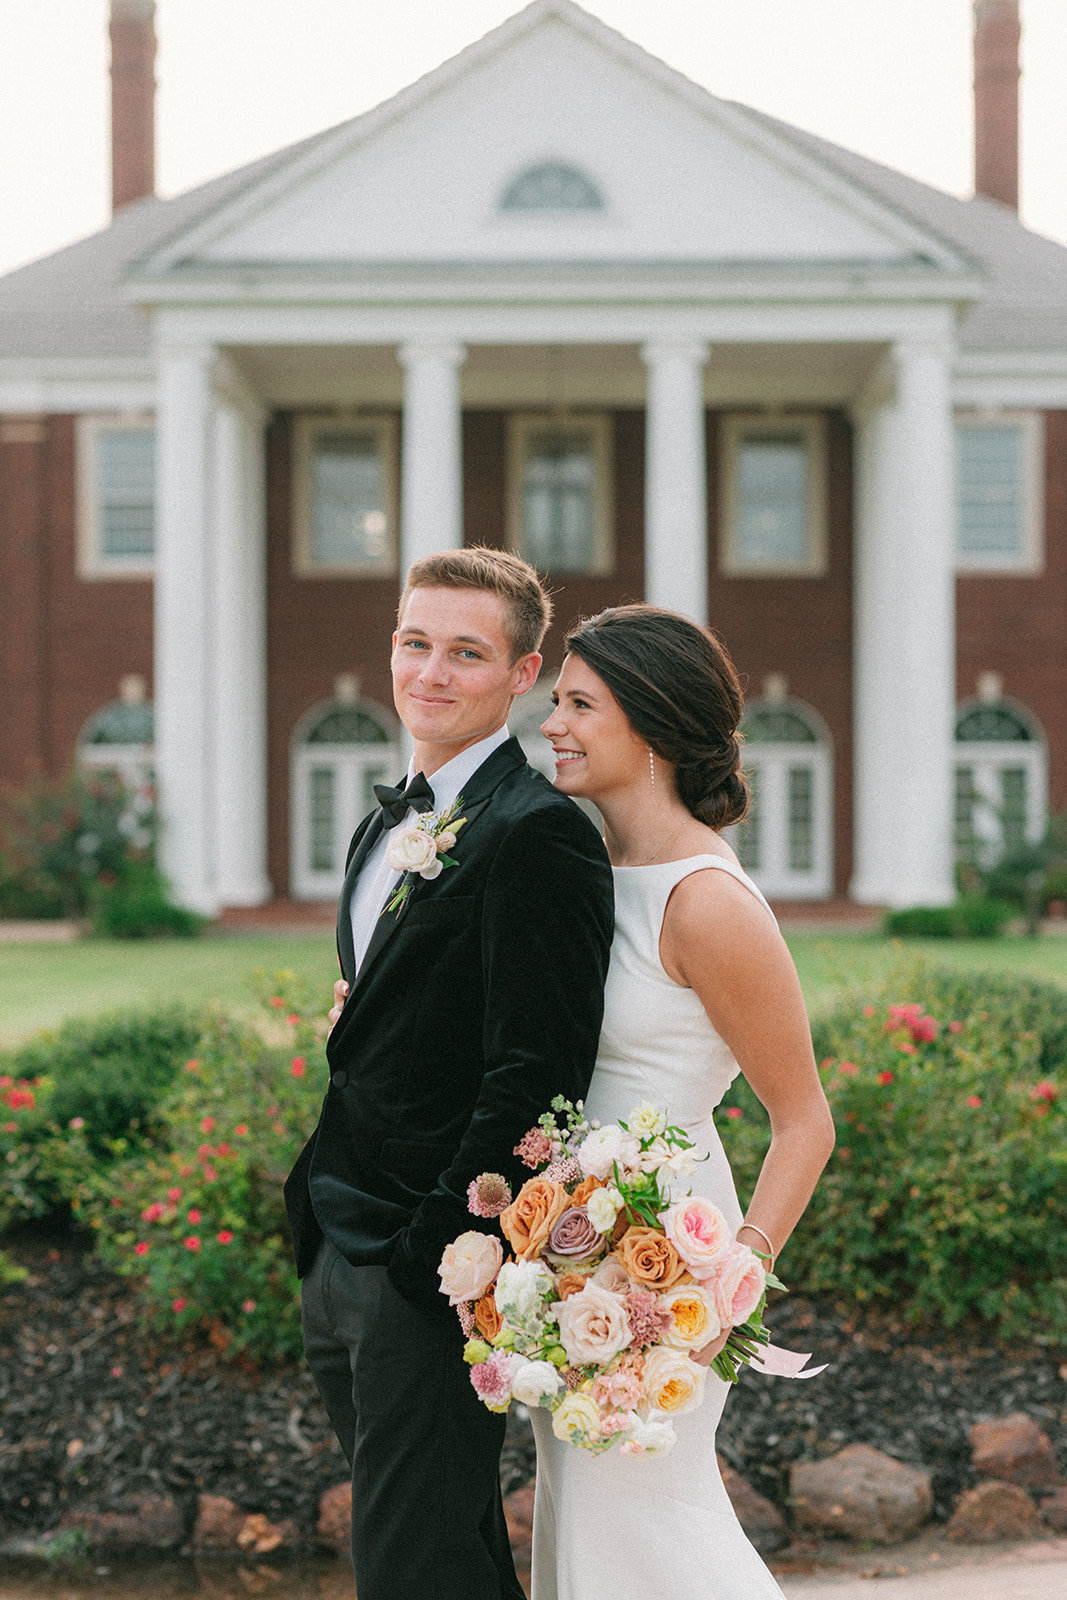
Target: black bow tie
x,y
396,803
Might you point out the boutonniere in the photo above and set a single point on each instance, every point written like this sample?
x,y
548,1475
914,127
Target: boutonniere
x,y
423,849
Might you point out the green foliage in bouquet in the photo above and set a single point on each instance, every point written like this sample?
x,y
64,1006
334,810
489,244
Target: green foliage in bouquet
x,y
947,1192
196,1220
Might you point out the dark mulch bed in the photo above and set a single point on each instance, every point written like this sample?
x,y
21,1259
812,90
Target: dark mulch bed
x,y
92,1412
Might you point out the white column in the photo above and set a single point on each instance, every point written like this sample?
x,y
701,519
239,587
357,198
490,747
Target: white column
x,y
905,645
183,615
676,495
431,473
239,651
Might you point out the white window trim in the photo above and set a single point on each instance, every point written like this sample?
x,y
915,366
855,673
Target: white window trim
x,y
350,761
599,425
812,426
1031,559
307,426
988,757
91,562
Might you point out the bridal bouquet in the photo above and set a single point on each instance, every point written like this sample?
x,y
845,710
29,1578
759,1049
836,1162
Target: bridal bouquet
x,y
614,1281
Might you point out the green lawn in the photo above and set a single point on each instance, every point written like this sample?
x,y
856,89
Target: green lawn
x,y
40,985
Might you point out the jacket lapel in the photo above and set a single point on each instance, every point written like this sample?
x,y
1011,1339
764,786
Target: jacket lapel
x,y
363,843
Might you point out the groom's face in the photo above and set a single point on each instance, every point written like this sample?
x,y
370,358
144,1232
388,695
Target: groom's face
x,y
453,676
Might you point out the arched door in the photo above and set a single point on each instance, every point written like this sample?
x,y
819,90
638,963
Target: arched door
x,y
786,841
339,753
1001,781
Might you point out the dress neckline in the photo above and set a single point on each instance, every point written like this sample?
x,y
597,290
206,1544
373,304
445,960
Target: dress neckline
x,y
657,866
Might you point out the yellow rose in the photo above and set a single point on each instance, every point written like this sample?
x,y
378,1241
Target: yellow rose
x,y
531,1216
576,1414
673,1383
694,1322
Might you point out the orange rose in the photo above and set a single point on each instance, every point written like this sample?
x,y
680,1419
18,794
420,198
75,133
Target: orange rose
x,y
487,1318
650,1258
530,1217
585,1189
569,1283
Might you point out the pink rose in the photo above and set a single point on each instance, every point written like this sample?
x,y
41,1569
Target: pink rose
x,y
612,1275
736,1284
698,1231
469,1265
593,1325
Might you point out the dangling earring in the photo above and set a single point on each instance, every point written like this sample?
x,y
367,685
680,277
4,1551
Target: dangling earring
x,y
652,768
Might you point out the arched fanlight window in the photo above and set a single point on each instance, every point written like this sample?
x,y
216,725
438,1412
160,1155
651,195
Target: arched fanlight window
x,y
340,750
1001,781
552,186
786,841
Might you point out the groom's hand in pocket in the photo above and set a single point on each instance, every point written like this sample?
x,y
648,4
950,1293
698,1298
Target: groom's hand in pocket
x,y
340,995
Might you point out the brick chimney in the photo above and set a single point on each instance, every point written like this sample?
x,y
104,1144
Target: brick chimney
x,y
997,31
133,100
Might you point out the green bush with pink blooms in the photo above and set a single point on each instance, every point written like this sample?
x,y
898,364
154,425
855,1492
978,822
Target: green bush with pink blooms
x,y
947,1193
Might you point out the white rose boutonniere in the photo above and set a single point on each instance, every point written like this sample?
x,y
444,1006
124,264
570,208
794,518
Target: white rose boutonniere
x,y
423,849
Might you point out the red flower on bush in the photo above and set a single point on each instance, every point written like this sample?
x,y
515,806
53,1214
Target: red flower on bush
x,y
974,1101
225,1236
18,1099
276,1000
733,1112
194,1215
207,1124
192,1242
174,1195
141,1247
1044,1091
241,1130
885,1077
296,1066
153,1212
192,1065
848,1068
178,1304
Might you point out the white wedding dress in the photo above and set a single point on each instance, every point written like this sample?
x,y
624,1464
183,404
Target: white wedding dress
x,y
614,1527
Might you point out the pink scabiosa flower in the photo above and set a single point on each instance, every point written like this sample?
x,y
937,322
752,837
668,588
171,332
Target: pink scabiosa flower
x,y
647,1318
488,1195
492,1379
567,1169
534,1148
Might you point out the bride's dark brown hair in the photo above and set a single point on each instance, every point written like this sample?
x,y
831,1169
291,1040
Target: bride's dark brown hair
x,y
678,687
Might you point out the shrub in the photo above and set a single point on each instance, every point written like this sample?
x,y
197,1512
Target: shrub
x,y
198,1221
974,916
59,840
138,906
947,1192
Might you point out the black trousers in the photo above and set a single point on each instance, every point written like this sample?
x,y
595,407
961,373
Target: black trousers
x,y
427,1518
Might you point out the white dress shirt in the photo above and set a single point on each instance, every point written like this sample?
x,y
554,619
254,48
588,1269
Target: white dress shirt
x,y
377,879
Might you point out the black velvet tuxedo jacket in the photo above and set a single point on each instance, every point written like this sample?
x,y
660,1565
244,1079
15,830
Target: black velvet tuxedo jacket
x,y
473,1007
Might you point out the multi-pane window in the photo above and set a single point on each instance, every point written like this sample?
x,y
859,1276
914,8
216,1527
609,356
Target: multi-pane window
x,y
773,502
1000,787
552,186
338,756
560,485
345,495
998,490
117,496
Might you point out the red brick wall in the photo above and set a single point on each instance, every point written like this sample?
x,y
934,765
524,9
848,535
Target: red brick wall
x,y
801,627
1017,626
66,641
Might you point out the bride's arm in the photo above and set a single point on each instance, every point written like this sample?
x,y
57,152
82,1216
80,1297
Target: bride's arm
x,y
719,940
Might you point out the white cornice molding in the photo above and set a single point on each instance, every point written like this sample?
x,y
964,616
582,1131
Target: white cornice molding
x,y
60,386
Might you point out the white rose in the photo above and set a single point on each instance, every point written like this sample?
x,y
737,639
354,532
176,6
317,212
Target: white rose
x,y
411,850
603,1207
652,1438
520,1289
593,1325
534,1381
606,1147
646,1121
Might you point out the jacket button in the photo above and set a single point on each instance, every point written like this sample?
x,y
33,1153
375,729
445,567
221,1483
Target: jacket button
x,y
339,1079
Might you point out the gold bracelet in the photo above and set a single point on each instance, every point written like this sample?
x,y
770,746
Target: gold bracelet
x,y
753,1228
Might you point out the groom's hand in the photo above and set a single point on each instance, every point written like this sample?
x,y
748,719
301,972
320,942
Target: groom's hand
x,y
340,995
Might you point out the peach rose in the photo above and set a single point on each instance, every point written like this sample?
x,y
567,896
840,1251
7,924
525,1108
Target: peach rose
x,y
569,1283
469,1265
585,1189
694,1320
673,1382
736,1284
650,1259
698,1231
529,1218
487,1318
593,1325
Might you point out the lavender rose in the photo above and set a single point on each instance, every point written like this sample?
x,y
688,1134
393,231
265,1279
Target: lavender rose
x,y
573,1237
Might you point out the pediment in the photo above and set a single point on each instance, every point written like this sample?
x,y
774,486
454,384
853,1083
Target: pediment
x,y
552,139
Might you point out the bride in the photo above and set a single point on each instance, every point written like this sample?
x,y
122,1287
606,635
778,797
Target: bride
x,y
701,985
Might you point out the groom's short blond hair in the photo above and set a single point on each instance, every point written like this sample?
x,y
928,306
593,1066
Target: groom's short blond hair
x,y
528,605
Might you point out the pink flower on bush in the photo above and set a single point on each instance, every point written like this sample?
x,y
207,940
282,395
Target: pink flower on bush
x,y
225,1236
248,1306
885,1077
868,1011
276,1000
296,1066
241,1130
955,1027
733,1112
224,1149
192,1065
210,1174
207,1124
178,1305
115,1201
6,1081
192,1242
77,1123
293,1018
141,1247
11,1127
974,1101
907,1048
153,1212
848,1068
174,1195
194,1215
1044,1091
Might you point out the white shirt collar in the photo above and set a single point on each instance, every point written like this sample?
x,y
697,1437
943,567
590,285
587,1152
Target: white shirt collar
x,y
448,781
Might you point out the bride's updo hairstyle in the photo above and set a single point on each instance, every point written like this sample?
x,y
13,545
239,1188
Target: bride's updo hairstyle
x,y
679,691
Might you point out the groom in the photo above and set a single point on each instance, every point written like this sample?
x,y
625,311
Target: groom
x,y
469,1006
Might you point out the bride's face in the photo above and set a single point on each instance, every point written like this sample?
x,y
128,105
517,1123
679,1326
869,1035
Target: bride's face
x,y
597,751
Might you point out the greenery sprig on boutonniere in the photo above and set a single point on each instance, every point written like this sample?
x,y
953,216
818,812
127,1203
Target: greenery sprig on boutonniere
x,y
423,849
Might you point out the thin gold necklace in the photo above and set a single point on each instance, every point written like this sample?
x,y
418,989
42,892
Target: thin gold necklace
x,y
662,845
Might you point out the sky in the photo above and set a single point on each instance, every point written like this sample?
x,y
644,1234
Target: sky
x,y
239,78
